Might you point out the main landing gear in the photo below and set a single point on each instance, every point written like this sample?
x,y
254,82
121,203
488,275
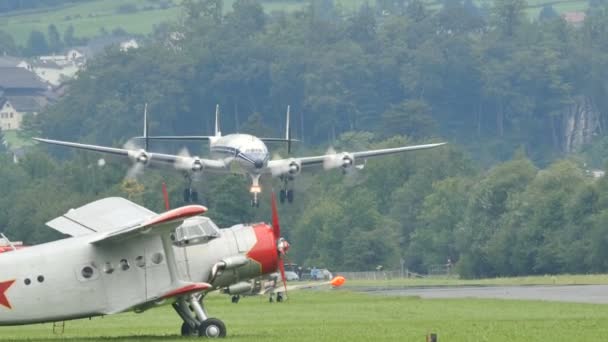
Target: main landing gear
x,y
196,321
287,193
190,194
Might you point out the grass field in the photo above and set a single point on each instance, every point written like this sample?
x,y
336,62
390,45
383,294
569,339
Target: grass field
x,y
566,279
348,316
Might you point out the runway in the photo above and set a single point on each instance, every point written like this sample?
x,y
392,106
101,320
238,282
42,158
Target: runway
x,y
595,294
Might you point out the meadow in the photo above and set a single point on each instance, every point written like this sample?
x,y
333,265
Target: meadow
x,y
90,17
348,316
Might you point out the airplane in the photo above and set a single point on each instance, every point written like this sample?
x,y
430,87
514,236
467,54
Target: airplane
x,y
123,257
239,154
268,285
7,245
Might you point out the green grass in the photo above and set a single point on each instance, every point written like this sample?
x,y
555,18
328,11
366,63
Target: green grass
x,y
347,316
566,279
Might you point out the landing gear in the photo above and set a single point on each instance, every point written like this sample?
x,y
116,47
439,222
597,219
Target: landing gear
x,y
279,297
235,299
255,190
286,193
190,195
212,328
196,321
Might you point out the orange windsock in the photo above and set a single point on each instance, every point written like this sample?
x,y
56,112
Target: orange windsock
x,y
338,281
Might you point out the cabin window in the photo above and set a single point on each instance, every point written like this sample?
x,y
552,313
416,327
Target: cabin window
x,y
140,261
27,281
124,264
87,272
40,278
157,258
108,267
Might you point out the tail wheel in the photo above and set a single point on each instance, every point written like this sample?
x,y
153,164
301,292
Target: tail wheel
x,y
212,328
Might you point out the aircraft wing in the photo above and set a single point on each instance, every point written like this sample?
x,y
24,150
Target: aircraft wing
x,y
161,224
180,162
107,214
334,160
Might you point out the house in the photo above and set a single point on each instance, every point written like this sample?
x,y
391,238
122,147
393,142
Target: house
x,y
21,93
575,19
53,72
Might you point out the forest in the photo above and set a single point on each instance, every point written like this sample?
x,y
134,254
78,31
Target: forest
x,y
521,102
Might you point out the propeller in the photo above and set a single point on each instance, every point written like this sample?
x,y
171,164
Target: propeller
x,y
187,162
282,244
335,160
139,157
291,166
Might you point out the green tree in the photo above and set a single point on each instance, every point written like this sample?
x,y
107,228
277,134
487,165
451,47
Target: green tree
x,y
55,43
36,44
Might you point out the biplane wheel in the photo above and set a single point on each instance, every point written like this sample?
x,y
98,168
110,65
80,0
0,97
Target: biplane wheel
x,y
282,196
187,330
187,195
212,328
236,298
279,297
194,196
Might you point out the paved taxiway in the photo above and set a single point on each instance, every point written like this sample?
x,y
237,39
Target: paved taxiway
x,y
596,294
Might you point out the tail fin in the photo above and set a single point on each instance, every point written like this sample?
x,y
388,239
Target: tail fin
x,y
288,131
218,133
145,136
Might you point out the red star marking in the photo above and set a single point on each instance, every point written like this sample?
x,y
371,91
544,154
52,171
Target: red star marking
x,y
3,287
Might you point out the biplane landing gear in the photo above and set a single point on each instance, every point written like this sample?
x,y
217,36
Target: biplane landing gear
x,y
196,321
190,195
255,190
236,298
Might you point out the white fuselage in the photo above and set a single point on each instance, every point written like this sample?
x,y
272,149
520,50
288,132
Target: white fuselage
x,y
242,153
72,278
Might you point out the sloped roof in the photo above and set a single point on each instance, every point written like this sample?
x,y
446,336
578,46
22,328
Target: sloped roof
x,y
8,61
19,78
27,104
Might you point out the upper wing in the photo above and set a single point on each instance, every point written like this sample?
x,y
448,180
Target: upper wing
x,y
161,224
107,214
280,166
179,162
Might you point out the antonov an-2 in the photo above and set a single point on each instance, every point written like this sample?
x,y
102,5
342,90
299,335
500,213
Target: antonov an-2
x,y
239,153
122,257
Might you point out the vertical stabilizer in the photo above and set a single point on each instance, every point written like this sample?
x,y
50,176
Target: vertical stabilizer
x,y
218,133
146,140
288,131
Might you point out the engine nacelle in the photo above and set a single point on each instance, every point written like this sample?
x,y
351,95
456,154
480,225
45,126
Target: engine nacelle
x,y
141,157
295,167
348,160
239,288
197,165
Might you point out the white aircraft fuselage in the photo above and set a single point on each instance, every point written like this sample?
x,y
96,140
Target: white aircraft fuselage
x,y
242,153
73,278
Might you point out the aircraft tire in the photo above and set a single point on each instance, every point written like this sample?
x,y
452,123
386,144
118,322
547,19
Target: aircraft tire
x,y
188,331
187,195
194,196
290,196
282,196
212,328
